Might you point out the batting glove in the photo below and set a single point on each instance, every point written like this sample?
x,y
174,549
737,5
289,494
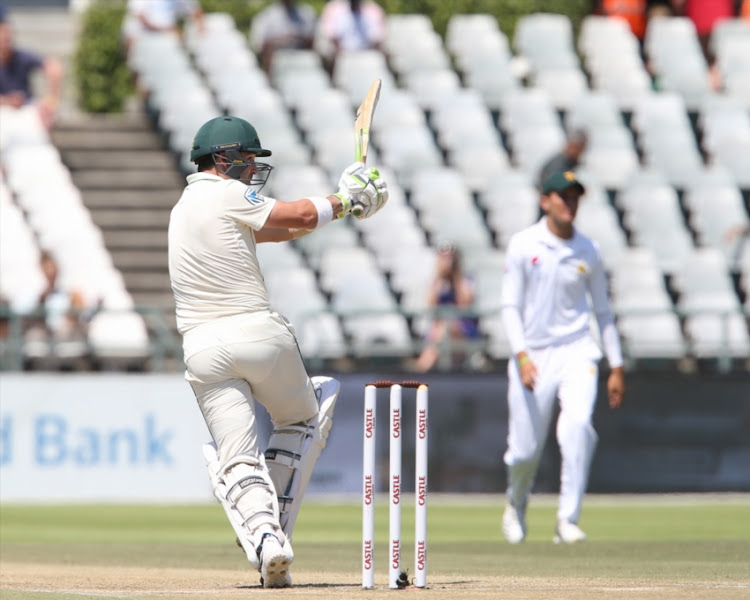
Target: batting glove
x,y
353,180
373,197
367,193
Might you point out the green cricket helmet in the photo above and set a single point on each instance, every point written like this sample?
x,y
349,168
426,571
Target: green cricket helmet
x,y
224,138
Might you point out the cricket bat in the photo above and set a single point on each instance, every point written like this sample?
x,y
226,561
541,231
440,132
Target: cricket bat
x,y
362,124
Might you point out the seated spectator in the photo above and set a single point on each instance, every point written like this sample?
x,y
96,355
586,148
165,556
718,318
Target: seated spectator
x,y
58,314
158,16
451,288
348,25
567,159
16,69
282,24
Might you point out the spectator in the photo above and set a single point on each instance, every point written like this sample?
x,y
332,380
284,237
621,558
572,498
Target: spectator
x,y
16,69
451,288
347,25
736,237
57,317
283,24
632,11
567,159
158,16
705,14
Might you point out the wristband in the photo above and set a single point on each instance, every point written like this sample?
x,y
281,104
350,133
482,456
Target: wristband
x,y
325,210
523,360
345,205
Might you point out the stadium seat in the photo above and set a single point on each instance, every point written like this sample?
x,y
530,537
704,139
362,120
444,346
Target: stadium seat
x,y
354,72
272,256
320,337
546,40
21,278
292,182
297,87
593,110
288,61
479,165
498,345
704,283
676,57
377,335
464,33
338,235
407,149
330,108
493,80
511,206
654,336
564,85
714,211
718,335
286,286
598,220
119,337
428,86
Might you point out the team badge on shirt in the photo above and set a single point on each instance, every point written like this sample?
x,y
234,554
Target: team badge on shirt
x,y
582,268
254,198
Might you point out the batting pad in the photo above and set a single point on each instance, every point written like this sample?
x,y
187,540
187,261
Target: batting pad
x,y
247,495
293,451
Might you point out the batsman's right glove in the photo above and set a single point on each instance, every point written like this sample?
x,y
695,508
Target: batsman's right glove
x,y
366,191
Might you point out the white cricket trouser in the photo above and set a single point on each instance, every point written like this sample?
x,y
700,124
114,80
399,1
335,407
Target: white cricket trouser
x,y
570,373
232,360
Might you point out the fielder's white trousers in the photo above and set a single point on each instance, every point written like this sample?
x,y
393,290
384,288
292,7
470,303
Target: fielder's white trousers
x,y
568,372
234,360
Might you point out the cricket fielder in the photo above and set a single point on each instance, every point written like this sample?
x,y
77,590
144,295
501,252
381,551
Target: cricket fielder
x,y
237,349
551,270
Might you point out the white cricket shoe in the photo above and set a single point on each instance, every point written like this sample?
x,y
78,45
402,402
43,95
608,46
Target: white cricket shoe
x,y
514,524
275,559
568,533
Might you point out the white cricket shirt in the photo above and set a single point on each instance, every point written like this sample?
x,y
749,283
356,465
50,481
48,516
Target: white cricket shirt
x,y
549,288
213,266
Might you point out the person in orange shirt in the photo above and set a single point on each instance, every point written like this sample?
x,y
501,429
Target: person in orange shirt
x,y
745,10
633,11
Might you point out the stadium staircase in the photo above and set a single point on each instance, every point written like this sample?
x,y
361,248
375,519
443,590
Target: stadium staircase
x,y
129,182
127,178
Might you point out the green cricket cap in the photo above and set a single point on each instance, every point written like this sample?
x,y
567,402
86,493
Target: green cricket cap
x,y
557,182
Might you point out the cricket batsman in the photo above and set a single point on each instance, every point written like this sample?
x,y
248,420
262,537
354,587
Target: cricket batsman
x,y
237,349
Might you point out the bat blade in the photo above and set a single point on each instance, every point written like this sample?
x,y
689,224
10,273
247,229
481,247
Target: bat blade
x,y
363,121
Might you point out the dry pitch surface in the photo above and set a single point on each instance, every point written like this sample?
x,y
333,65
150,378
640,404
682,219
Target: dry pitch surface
x,y
637,550
20,580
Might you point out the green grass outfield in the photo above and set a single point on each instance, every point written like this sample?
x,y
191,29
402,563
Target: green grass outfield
x,y
682,546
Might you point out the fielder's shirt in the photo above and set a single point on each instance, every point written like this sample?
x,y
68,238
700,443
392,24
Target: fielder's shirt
x,y
546,289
